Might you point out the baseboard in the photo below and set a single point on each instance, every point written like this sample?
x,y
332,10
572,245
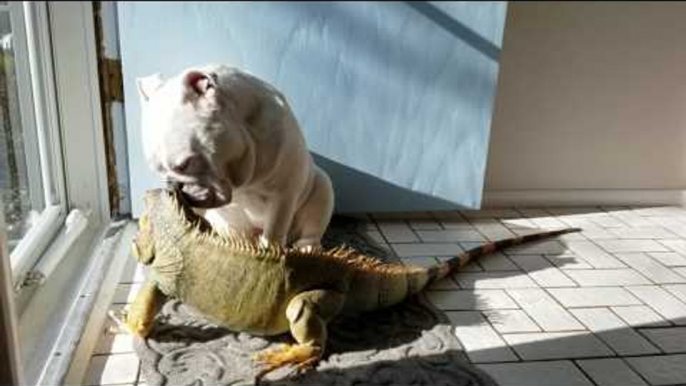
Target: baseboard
x,y
583,197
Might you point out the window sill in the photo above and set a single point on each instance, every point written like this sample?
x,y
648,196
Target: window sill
x,y
56,331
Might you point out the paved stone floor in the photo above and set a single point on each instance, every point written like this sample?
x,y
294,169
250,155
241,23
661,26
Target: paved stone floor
x,y
603,307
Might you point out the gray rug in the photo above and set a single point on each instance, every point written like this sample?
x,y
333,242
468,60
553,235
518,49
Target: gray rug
x,y
410,344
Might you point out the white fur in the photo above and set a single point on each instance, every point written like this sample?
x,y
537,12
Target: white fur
x,y
249,150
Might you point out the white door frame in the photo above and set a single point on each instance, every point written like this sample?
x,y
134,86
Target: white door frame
x,y
10,365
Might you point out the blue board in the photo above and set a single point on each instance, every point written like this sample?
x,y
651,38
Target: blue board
x,y
395,98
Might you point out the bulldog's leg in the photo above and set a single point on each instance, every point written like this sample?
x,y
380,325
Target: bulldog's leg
x,y
314,216
278,219
230,217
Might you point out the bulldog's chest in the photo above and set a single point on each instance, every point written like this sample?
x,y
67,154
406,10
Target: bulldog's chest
x,y
256,205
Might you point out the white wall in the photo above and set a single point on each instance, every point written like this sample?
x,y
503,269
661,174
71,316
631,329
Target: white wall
x,y
591,96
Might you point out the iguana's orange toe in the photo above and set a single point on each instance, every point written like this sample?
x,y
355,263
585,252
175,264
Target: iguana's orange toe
x,y
128,324
303,357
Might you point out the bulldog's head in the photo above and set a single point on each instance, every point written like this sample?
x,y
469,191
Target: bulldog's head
x,y
194,134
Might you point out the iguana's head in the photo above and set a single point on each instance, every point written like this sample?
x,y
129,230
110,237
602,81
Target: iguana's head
x,y
156,200
168,208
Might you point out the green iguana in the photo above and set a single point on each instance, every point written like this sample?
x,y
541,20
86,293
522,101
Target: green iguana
x,y
267,289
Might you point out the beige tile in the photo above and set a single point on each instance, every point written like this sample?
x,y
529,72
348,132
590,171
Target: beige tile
x,y
492,229
544,310
594,297
397,232
678,290
660,211
507,321
673,224
112,369
113,343
627,246
639,316
376,236
543,219
604,220
490,213
481,343
497,262
611,372
494,280
542,271
637,233
671,340
452,220
607,277
678,246
546,373
614,332
669,259
661,370
471,300
425,224
568,261
449,235
557,345
594,255
631,218
662,302
650,268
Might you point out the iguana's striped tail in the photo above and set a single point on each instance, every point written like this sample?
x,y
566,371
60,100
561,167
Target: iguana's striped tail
x,y
384,285
444,269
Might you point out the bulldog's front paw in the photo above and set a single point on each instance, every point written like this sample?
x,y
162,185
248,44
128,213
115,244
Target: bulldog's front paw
x,y
263,242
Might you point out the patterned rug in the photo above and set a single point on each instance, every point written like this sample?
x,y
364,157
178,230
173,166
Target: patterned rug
x,y
410,344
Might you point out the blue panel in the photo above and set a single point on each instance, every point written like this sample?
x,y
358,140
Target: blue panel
x,y
398,95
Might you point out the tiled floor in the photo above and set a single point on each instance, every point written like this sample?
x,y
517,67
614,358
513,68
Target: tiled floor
x,y
603,307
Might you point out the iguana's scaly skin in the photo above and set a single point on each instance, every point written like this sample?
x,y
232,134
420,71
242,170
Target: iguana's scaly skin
x,y
268,290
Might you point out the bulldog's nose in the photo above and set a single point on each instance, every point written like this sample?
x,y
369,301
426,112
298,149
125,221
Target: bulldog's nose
x,y
187,164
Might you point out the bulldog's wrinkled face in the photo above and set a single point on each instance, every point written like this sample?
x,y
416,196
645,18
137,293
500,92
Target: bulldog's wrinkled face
x,y
191,136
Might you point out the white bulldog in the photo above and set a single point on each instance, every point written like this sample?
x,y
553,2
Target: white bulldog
x,y
233,144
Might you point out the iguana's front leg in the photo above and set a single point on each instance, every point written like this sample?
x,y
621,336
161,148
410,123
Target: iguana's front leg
x,y
308,314
138,316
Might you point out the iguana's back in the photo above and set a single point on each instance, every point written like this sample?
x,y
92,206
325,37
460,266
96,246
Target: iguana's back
x,y
231,279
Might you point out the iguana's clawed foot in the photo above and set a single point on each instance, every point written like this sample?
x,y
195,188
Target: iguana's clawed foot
x,y
128,324
303,357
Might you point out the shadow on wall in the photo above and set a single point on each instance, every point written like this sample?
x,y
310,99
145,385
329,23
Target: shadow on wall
x,y
456,28
379,195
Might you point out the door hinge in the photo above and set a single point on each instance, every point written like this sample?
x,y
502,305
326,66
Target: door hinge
x,y
113,86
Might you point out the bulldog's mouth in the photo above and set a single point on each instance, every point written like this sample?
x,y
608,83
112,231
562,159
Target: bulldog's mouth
x,y
203,197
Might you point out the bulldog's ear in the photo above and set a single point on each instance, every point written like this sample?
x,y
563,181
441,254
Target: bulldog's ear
x,y
199,84
147,86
